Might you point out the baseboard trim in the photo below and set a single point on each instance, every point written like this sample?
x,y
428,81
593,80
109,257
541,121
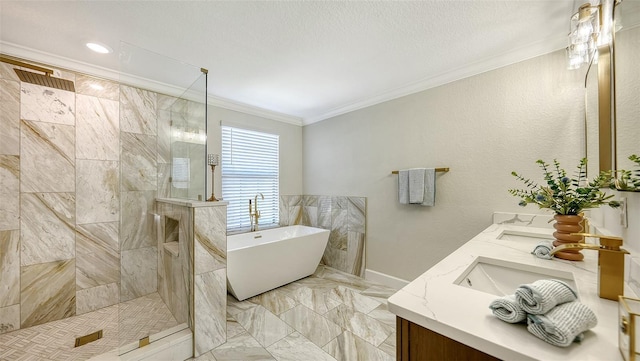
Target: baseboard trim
x,y
385,279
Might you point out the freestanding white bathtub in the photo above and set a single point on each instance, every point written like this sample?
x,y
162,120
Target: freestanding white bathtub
x,y
261,261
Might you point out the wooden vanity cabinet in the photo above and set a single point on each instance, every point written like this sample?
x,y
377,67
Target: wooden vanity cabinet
x,y
416,343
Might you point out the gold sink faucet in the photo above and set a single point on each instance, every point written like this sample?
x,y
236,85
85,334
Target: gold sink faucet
x,y
610,263
254,214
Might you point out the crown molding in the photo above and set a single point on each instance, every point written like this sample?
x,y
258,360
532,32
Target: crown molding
x,y
521,54
498,61
53,60
253,110
58,61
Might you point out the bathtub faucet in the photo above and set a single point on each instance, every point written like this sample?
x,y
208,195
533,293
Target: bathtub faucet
x,y
254,214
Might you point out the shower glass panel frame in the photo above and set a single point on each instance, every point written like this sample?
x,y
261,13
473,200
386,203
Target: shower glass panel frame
x,y
188,116
154,285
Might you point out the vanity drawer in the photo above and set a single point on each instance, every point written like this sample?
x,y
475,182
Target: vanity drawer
x,y
416,343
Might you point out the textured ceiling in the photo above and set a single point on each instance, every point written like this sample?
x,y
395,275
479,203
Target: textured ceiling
x,y
305,59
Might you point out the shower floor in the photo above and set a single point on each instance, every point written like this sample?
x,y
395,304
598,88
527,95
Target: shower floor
x,y
55,340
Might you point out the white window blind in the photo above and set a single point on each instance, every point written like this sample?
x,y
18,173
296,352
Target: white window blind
x,y
250,165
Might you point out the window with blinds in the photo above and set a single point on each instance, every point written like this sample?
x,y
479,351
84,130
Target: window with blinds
x,y
250,165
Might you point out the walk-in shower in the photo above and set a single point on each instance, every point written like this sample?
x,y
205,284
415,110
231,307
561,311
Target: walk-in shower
x,y
83,261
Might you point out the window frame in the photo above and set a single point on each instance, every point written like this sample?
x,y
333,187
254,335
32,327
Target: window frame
x,y
250,164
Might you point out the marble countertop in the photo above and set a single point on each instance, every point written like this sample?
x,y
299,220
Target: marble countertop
x,y
435,302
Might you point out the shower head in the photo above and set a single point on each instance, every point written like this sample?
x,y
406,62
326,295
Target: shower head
x,y
39,79
45,80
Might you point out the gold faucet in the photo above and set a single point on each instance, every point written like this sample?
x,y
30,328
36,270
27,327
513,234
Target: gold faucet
x,y
254,214
610,263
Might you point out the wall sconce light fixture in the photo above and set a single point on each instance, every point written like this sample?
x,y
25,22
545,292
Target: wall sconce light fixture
x,y
583,35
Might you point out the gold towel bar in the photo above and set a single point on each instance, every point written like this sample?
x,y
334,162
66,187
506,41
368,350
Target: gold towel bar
x,y
437,170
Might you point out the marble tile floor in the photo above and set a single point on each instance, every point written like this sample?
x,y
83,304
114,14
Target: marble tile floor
x,y
331,315
55,340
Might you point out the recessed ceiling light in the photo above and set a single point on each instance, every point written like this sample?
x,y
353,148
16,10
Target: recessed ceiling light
x,y
99,48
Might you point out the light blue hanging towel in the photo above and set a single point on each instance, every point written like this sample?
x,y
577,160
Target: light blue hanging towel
x,y
429,187
417,186
403,186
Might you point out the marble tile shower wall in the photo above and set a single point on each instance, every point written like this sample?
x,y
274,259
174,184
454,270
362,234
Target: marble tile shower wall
x,y
175,285
79,174
344,216
138,187
201,275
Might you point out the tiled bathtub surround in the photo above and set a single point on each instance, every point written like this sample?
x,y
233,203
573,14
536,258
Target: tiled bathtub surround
x,y
79,173
344,216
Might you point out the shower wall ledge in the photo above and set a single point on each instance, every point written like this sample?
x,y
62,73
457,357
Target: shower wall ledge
x,y
192,203
202,244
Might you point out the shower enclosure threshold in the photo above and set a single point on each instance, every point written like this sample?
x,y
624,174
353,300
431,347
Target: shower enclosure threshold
x,y
122,324
173,344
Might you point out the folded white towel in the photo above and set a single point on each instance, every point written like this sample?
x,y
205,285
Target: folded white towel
x,y
562,325
403,186
416,185
508,310
543,250
541,296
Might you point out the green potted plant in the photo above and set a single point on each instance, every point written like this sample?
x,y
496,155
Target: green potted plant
x,y
567,197
629,180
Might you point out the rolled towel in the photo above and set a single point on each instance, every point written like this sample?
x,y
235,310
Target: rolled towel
x,y
508,310
562,325
543,250
541,296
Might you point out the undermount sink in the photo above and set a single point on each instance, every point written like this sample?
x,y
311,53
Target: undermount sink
x,y
513,235
500,278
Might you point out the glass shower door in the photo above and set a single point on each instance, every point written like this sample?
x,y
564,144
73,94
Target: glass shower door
x,y
156,128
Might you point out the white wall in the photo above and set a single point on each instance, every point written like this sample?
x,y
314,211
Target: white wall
x,y
290,146
482,127
609,219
